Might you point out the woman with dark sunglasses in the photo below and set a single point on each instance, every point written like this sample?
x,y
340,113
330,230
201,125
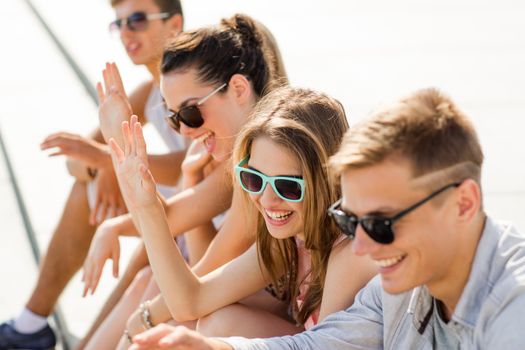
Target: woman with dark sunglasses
x,y
281,155
198,60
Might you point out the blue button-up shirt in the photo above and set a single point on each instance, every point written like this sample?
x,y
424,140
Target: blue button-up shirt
x,y
490,313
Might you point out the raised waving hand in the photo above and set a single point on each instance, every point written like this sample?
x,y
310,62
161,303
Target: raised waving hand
x,y
131,166
114,106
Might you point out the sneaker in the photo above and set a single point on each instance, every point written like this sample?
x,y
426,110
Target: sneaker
x,y
11,339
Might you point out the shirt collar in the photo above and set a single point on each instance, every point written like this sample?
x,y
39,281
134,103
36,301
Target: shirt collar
x,y
421,304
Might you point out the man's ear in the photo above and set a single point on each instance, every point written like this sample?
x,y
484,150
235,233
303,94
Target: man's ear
x,y
241,88
468,200
176,22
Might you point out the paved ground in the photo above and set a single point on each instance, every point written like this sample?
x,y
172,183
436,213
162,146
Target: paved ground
x,y
362,53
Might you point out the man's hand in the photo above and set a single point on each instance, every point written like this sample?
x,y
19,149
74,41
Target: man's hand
x,y
108,200
165,336
78,170
114,106
93,154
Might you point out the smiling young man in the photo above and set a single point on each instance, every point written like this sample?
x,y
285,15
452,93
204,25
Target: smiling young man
x,y
144,26
450,276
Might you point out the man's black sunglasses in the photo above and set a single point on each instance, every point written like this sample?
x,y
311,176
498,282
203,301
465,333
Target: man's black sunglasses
x,y
378,228
137,21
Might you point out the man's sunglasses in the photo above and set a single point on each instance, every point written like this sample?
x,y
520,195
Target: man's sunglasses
x,y
379,228
289,188
137,21
191,115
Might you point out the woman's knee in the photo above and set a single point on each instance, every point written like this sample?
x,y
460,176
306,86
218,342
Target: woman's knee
x,y
220,322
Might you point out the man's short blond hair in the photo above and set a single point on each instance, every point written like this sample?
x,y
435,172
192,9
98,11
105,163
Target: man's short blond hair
x,y
425,128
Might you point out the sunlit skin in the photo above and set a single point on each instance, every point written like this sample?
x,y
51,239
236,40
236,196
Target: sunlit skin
x,y
434,245
272,159
224,113
144,47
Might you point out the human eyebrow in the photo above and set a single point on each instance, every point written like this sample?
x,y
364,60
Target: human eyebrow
x,y
294,176
252,168
187,102
382,211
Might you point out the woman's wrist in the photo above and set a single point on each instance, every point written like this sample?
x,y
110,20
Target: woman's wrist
x,y
153,207
145,315
77,169
91,172
144,213
104,160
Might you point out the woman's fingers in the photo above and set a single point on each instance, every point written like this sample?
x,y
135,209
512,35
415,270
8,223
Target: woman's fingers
x,y
148,182
100,93
115,256
116,151
112,208
107,80
102,212
94,211
117,80
132,127
140,142
121,207
85,277
95,277
127,138
57,153
203,160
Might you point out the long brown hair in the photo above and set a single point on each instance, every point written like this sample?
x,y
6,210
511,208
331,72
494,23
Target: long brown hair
x,y
310,125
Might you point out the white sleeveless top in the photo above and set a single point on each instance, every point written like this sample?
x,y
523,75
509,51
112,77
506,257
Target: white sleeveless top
x,y
155,113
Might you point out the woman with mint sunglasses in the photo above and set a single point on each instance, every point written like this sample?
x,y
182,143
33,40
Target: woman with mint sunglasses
x,y
288,188
281,154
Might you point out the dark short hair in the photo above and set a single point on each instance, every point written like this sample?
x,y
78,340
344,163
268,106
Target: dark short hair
x,y
172,6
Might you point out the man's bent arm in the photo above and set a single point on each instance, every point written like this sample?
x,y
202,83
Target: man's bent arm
x,y
359,327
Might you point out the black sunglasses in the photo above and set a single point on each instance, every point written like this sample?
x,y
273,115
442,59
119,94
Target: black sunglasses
x,y
379,228
191,115
137,21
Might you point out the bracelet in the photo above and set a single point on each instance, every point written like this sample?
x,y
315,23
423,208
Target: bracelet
x,y
145,315
127,336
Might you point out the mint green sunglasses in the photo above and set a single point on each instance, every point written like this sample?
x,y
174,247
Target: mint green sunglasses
x,y
289,188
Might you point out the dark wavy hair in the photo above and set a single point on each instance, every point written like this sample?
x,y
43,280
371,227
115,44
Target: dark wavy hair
x,y
235,46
